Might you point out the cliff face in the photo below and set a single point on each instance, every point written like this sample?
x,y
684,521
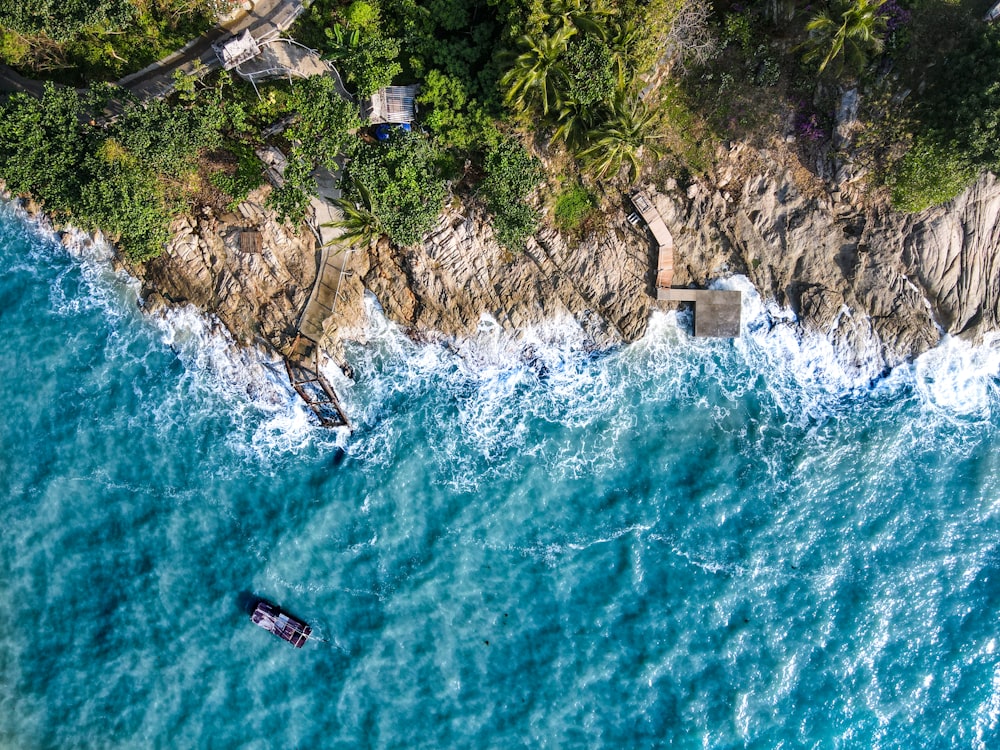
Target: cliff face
x,y
880,285
460,273
252,271
953,252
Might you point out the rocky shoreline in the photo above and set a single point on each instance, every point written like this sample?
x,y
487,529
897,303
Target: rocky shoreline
x,y
882,286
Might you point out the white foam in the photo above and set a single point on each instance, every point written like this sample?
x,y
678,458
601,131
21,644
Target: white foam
x,y
958,378
501,378
251,382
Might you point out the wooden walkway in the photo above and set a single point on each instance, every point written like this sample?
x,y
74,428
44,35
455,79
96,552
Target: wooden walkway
x,y
716,312
302,366
665,240
325,292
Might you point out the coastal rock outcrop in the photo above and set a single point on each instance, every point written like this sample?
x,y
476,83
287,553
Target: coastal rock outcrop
x,y
443,287
247,268
881,285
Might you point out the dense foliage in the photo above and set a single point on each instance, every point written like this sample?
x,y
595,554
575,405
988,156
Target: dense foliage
x,y
321,131
401,183
603,90
127,179
512,174
79,41
955,125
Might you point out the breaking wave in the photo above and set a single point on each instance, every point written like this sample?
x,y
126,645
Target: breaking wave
x,y
523,541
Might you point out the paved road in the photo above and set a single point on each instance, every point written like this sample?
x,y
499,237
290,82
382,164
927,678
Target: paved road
x,y
267,20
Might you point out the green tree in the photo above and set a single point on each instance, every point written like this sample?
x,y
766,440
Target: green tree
x,y
368,58
538,76
168,137
291,199
512,174
324,121
403,183
447,111
847,35
358,225
127,204
622,139
44,146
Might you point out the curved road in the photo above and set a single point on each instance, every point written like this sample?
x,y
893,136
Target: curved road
x,y
266,20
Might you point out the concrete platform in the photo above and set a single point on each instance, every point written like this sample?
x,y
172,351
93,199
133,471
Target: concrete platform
x,y
716,312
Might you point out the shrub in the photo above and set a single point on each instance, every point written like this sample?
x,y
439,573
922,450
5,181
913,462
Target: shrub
x,y
249,175
929,174
512,174
403,182
573,206
591,77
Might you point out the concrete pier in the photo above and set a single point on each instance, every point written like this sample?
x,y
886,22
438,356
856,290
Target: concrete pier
x,y
716,312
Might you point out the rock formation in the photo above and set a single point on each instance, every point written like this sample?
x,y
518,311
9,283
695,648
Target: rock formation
x,y
881,285
460,273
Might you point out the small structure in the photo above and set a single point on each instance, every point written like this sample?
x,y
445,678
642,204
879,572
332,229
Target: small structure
x,y
993,13
287,628
716,312
308,381
250,241
237,50
396,104
665,240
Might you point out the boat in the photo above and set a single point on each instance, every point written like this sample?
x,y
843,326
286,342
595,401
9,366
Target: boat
x,y
285,626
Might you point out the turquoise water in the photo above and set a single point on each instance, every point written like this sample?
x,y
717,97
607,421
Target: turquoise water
x,y
681,543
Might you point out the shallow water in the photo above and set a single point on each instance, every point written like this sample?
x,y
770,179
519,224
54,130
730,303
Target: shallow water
x,y
680,543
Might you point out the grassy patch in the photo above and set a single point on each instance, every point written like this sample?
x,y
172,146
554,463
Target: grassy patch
x,y
687,137
573,207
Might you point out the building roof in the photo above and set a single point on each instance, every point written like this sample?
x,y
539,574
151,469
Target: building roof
x,y
237,49
392,104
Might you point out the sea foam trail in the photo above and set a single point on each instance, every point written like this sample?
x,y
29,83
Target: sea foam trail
x,y
499,368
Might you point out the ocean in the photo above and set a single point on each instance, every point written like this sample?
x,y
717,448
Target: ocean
x,y
679,543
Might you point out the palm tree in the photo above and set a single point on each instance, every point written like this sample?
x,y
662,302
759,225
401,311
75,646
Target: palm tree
x,y
573,123
622,139
858,32
538,74
622,45
360,225
586,17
